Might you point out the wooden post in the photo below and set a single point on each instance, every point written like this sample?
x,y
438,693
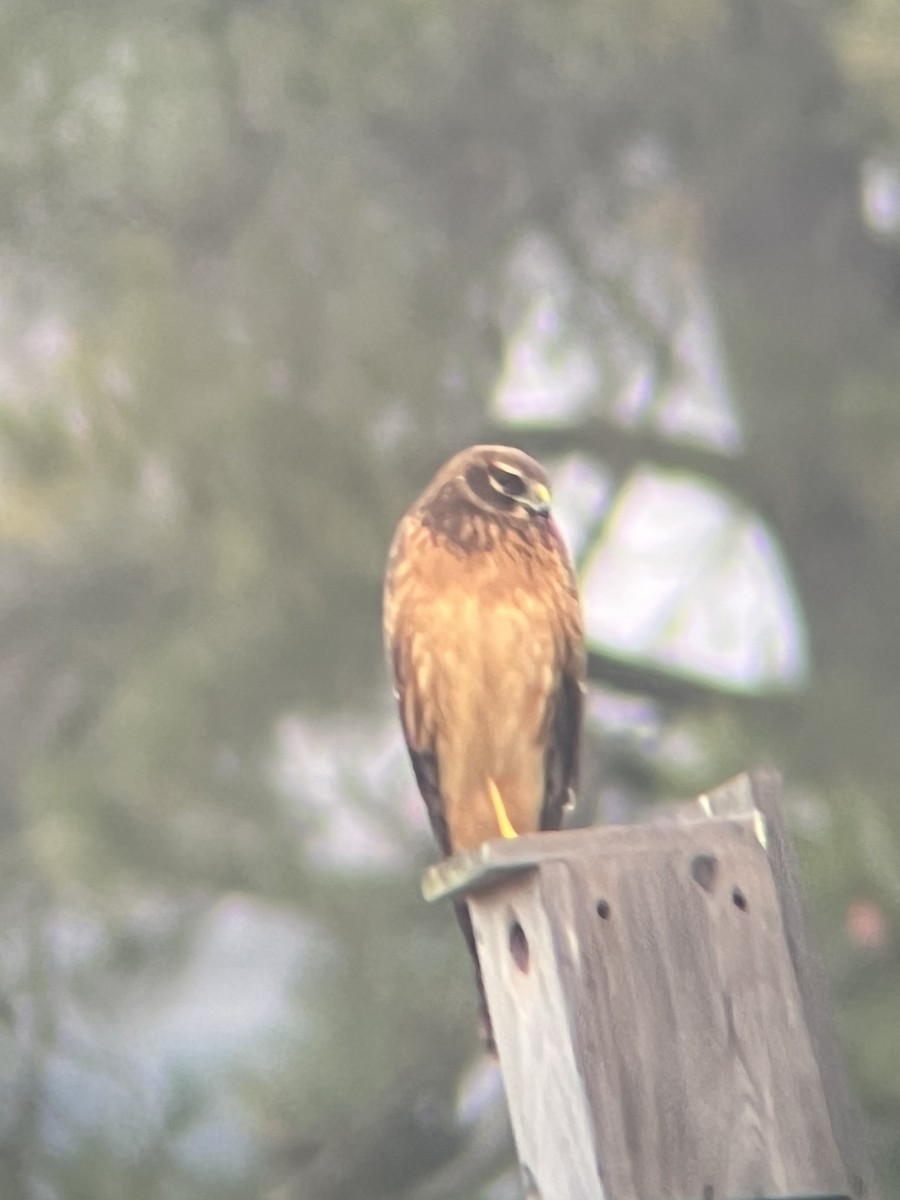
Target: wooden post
x,y
660,1019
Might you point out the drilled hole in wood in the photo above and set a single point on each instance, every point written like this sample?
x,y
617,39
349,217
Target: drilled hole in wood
x,y
704,868
518,946
739,899
603,909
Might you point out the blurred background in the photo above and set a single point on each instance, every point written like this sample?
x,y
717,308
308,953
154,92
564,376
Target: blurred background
x,y
264,265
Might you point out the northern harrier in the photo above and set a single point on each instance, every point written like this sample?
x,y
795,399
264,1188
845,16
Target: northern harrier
x,y
483,629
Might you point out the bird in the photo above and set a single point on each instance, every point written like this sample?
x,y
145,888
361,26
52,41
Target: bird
x,y
484,637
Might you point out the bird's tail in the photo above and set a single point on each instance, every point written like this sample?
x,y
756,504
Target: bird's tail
x,y
484,1016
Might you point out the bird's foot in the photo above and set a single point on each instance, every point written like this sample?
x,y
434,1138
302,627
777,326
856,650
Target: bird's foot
x,y
506,826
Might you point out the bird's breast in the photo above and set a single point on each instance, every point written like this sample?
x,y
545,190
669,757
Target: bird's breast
x,y
485,637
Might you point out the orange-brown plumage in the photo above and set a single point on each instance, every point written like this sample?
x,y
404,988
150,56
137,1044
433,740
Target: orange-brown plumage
x,y
484,632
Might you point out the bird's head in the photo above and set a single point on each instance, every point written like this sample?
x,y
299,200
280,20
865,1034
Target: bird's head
x,y
498,481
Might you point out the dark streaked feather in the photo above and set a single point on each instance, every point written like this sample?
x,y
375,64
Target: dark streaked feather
x,y
561,759
425,767
465,923
424,760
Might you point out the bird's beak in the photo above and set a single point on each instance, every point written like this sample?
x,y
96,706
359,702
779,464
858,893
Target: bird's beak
x,y
539,500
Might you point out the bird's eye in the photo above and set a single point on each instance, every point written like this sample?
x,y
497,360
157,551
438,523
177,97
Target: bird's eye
x,y
507,482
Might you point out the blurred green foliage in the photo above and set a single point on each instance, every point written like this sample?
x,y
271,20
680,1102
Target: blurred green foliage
x,y
254,267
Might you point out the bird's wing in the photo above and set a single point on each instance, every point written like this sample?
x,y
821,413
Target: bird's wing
x,y
399,634
424,761
565,707
561,757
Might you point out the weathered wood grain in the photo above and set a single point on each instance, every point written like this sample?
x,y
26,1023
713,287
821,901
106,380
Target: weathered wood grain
x,y
551,1117
661,1027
